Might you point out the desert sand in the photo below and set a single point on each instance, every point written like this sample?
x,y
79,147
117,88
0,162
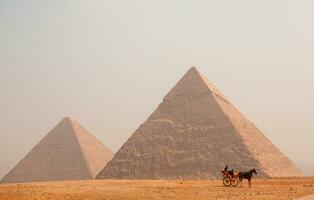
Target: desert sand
x,y
270,189
310,197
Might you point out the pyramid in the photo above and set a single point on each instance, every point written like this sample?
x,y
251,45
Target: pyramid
x,y
194,133
67,152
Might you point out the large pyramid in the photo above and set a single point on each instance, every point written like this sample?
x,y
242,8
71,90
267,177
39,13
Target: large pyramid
x,y
68,152
194,133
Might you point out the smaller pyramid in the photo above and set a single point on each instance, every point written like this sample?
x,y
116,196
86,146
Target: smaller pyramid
x,y
67,152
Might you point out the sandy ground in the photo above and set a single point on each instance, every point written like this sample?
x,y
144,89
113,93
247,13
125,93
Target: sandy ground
x,y
310,197
269,189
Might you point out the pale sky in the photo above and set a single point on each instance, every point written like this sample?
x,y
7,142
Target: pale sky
x,y
108,64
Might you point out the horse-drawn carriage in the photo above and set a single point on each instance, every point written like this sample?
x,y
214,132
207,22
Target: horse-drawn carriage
x,y
229,179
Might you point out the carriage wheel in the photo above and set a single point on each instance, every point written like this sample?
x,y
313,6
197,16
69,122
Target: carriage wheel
x,y
234,181
226,181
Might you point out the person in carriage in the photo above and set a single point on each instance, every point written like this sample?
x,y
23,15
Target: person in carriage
x,y
230,171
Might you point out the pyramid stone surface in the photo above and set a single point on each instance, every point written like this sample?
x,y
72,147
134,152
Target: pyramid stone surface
x,y
68,152
194,133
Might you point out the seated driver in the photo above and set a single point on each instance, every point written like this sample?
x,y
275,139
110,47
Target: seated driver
x,y
230,172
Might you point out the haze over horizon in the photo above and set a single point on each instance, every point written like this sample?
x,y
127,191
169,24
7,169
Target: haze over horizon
x,y
108,64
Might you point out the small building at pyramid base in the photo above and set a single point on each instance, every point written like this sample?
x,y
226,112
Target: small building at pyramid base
x,y
194,133
68,152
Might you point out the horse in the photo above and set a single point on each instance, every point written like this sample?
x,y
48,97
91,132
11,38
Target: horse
x,y
246,175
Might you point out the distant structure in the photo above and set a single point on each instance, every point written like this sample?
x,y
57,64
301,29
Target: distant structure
x,y
194,133
68,152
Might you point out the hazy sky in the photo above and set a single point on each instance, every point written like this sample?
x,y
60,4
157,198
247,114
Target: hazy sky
x,y
108,64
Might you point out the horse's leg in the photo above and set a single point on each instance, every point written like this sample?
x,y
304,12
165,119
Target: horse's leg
x,y
249,182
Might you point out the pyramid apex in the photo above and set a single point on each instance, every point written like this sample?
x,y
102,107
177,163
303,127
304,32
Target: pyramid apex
x,y
68,118
193,69
194,72
68,121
